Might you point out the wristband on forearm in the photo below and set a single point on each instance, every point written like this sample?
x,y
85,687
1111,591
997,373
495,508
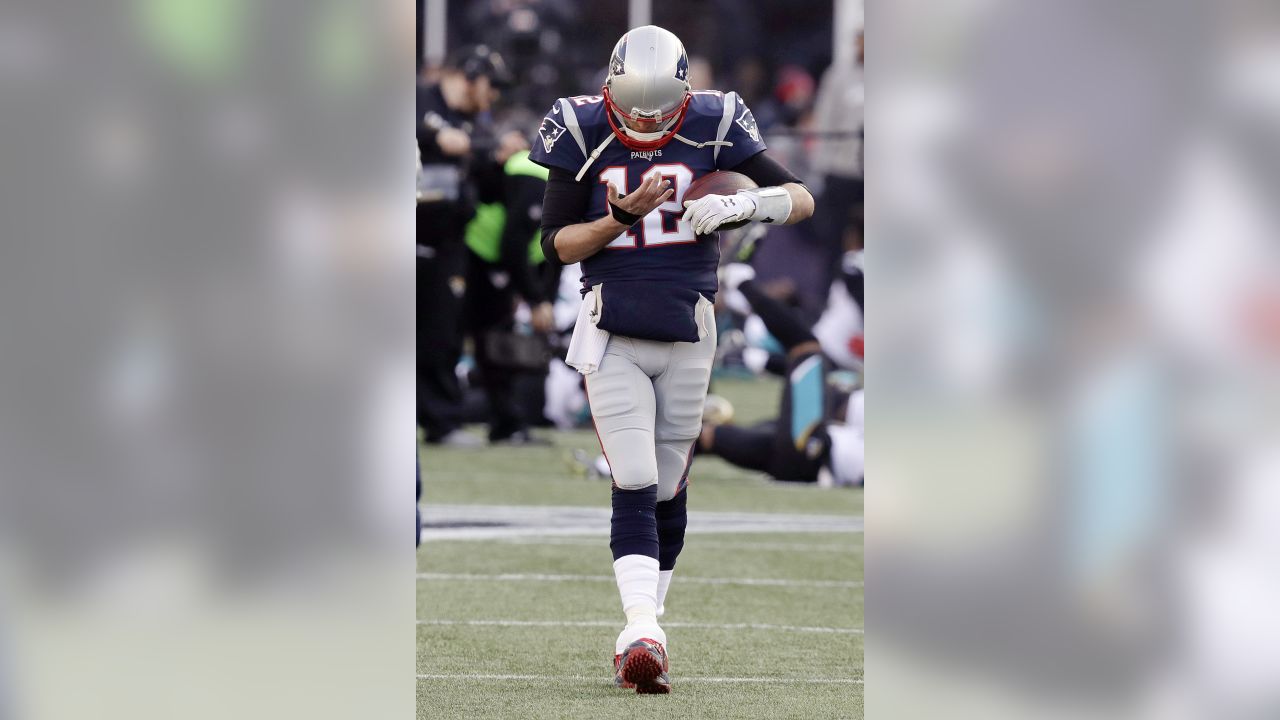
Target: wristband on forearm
x,y
773,204
623,216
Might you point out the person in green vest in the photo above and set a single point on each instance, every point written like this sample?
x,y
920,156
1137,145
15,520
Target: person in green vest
x,y
503,240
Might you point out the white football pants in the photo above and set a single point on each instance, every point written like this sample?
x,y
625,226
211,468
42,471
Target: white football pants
x,y
646,399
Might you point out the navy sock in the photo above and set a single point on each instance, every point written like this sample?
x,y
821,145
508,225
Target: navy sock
x,y
672,519
634,528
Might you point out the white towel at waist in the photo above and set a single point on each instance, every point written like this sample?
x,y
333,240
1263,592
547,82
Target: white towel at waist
x,y
587,346
704,314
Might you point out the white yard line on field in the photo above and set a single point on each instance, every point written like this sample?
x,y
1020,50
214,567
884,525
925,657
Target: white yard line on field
x,y
501,522
614,623
530,475
432,533
700,544
543,577
609,680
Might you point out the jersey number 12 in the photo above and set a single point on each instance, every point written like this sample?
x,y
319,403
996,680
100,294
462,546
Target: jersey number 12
x,y
663,225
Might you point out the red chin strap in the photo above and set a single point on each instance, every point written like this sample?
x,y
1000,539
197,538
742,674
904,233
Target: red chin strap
x,y
634,144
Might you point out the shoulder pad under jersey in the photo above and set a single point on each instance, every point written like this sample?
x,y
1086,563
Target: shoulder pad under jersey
x,y
724,117
569,132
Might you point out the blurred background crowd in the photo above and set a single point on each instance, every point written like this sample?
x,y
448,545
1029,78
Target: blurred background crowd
x,y
487,73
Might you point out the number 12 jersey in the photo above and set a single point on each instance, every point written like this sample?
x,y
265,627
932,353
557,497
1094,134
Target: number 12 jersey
x,y
661,248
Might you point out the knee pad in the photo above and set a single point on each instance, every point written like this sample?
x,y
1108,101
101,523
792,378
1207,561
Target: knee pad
x,y
633,475
674,457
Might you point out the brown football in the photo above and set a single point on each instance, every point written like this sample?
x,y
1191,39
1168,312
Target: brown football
x,y
721,182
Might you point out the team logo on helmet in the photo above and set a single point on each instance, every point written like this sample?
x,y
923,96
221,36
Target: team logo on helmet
x,y
550,131
682,67
748,122
615,62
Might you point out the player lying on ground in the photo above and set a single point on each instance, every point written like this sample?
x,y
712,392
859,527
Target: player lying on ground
x,y
620,164
818,435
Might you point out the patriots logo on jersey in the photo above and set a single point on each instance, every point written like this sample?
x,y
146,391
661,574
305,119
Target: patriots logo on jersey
x,y
550,131
747,122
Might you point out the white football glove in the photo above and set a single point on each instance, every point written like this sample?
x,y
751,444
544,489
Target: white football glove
x,y
711,211
768,205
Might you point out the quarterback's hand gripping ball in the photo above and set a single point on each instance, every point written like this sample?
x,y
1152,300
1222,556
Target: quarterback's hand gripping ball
x,y
711,211
723,200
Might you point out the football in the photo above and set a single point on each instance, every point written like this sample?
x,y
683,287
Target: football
x,y
721,182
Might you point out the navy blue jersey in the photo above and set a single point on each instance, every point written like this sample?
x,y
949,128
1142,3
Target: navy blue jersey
x,y
661,248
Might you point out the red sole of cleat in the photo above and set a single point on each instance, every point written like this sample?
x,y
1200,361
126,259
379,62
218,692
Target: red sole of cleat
x,y
641,669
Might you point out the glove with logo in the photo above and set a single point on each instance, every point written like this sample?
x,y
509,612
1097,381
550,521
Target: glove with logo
x,y
768,205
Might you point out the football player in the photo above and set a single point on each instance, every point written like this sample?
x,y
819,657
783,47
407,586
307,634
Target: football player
x,y
620,163
818,434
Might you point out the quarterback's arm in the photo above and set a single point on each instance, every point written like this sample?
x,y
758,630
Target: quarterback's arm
x,y
567,240
780,199
766,172
801,203
573,243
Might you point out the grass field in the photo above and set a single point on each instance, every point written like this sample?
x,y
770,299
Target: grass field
x,y
517,609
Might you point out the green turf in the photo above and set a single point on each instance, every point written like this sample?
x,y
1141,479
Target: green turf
x,y
802,632
455,557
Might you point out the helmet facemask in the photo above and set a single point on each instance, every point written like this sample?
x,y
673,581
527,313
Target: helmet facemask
x,y
665,126
648,83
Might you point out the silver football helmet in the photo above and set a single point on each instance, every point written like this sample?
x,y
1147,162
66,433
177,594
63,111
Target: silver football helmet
x,y
648,82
